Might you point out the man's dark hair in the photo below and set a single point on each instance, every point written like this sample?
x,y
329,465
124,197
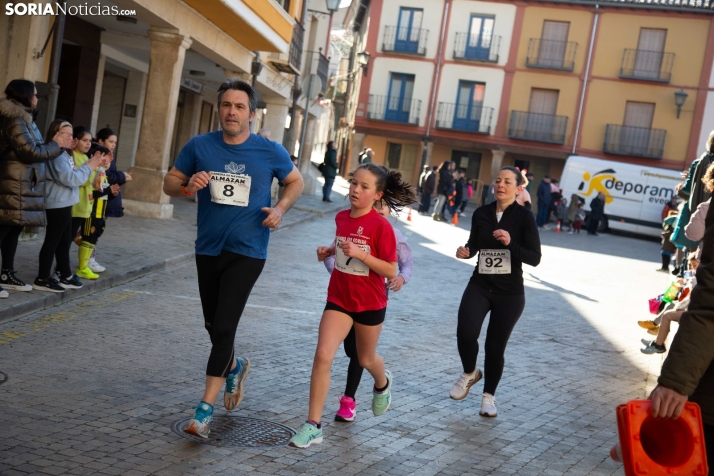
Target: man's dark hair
x,y
546,176
435,168
21,90
239,85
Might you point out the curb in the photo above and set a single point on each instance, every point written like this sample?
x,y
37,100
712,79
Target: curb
x,y
51,299
89,287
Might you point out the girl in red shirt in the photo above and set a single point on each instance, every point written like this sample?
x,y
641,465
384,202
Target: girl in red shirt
x,y
365,251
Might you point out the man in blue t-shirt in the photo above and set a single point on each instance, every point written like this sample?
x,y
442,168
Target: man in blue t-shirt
x,y
232,171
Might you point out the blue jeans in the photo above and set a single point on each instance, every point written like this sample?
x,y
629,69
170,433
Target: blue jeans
x,y
542,217
327,188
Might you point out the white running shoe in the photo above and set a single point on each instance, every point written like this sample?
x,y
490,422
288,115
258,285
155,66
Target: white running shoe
x,y
96,267
463,384
488,405
4,294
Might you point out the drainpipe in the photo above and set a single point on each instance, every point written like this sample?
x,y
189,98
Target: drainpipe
x,y
297,92
587,75
437,75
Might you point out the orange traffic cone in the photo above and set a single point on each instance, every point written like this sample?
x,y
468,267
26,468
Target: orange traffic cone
x,y
409,217
660,446
455,220
557,227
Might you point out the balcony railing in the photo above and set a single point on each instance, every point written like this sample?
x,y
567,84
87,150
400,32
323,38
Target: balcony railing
x,y
474,48
634,141
551,54
537,127
647,65
295,55
405,40
465,118
394,109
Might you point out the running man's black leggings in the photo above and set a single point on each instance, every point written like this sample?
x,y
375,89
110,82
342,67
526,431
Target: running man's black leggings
x,y
505,312
224,283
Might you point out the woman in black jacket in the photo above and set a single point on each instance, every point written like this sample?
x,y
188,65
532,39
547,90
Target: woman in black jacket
x,y
505,235
443,188
329,170
23,153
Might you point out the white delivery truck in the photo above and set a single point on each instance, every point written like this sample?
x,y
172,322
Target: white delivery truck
x,y
634,194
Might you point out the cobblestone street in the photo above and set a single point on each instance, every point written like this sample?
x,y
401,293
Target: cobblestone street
x,y
95,384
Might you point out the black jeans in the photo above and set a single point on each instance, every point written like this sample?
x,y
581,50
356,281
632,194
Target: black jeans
x,y
224,283
327,188
505,312
58,239
8,237
592,226
425,202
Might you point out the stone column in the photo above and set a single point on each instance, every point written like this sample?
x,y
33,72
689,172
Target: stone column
x,y
306,169
496,163
98,93
21,41
274,120
144,195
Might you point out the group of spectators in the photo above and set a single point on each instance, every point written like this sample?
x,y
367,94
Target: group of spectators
x,y
66,182
451,188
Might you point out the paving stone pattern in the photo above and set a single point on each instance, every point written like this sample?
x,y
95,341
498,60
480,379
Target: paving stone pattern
x,y
95,384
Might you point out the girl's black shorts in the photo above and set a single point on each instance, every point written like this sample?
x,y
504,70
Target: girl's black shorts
x,y
366,318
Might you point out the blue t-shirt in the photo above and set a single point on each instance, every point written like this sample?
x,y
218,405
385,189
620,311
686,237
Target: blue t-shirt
x,y
238,229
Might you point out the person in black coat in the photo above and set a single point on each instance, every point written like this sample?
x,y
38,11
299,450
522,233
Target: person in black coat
x,y
443,189
428,189
23,153
329,170
597,210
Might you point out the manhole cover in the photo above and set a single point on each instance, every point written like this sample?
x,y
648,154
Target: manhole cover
x,y
3,378
240,431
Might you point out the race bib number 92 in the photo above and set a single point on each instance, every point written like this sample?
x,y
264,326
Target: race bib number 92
x,y
494,262
230,189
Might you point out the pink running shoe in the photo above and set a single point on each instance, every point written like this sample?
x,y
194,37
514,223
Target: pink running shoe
x,y
348,409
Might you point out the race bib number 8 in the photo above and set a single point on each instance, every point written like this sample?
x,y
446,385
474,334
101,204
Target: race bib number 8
x,y
230,189
350,265
494,262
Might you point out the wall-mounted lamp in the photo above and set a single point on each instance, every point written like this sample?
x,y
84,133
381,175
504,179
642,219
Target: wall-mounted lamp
x,y
363,61
679,98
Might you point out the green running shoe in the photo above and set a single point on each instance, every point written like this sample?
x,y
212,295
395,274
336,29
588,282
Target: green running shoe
x,y
198,425
307,435
235,384
381,401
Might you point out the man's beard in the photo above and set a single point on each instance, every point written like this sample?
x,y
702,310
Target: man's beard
x,y
241,128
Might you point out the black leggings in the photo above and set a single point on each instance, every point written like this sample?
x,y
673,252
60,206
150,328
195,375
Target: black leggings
x,y
8,237
354,369
224,283
505,312
58,239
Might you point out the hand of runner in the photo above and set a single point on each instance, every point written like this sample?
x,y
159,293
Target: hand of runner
x,y
463,252
351,250
324,252
666,403
198,181
275,217
395,283
503,236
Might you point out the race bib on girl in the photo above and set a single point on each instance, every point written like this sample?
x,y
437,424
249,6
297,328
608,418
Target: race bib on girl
x,y
349,265
494,262
230,189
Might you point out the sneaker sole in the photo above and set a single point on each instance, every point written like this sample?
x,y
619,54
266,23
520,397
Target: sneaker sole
x,y
480,376
41,288
70,286
241,389
315,441
12,287
192,431
97,271
345,420
488,415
